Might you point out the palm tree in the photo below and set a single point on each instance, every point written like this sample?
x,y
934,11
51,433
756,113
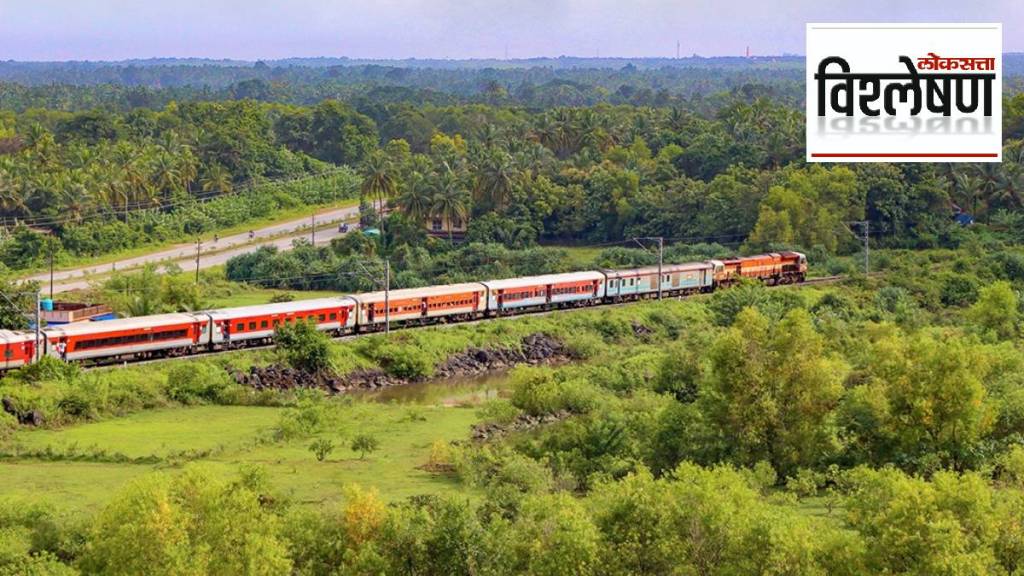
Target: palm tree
x,y
496,178
988,179
1009,188
188,167
167,176
12,202
216,179
415,199
966,190
378,184
451,200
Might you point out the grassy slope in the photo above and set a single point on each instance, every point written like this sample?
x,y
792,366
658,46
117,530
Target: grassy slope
x,y
233,435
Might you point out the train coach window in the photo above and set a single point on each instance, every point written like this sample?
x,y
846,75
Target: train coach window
x,y
334,316
323,317
8,353
240,326
276,322
263,323
252,325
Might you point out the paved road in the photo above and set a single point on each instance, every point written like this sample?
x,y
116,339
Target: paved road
x,y
212,253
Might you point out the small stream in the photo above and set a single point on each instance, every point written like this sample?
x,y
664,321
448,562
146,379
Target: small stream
x,y
467,390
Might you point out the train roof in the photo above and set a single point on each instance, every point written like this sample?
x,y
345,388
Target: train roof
x,y
423,292
665,269
281,307
14,336
139,322
544,280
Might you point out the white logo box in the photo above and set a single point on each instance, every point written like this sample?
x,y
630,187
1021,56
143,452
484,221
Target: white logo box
x,y
929,136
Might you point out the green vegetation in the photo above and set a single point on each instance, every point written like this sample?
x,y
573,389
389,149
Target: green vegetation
x,y
812,430
868,427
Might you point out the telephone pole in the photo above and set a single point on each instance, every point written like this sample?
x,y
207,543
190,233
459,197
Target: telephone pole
x,y
661,262
387,296
38,319
51,267
865,227
661,255
199,247
867,248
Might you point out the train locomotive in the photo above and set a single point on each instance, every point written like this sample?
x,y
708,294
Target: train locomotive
x,y
180,334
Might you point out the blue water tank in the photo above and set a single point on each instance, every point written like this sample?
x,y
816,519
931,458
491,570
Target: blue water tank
x,y
47,304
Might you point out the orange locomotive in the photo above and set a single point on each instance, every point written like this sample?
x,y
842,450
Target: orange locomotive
x,y
773,268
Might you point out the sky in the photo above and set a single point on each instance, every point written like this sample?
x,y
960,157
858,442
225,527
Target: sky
x,y
395,29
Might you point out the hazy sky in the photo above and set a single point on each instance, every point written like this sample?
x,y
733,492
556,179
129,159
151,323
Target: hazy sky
x,y
253,29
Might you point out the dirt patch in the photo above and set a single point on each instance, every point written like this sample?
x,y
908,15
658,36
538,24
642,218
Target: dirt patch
x,y
534,349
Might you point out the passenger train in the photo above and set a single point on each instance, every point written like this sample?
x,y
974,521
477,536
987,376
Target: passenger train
x,y
186,333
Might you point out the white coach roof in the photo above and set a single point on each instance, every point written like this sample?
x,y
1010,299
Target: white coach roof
x,y
665,269
139,322
424,292
281,307
544,280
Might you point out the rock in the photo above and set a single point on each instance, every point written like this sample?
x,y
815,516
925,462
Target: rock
x,y
534,349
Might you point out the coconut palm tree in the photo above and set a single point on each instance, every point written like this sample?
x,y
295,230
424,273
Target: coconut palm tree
x,y
495,178
415,199
1009,188
216,179
450,200
378,182
966,190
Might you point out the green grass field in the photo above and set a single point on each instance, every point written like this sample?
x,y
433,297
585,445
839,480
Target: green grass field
x,y
236,436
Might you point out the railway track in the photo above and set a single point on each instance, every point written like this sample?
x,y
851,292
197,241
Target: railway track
x,y
819,280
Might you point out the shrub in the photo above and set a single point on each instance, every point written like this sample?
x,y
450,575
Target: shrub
x,y
304,347
321,448
197,382
364,444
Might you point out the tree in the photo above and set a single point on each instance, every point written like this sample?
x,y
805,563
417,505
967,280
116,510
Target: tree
x,y
191,523
451,201
771,390
321,448
997,310
216,179
364,444
415,199
304,347
914,527
495,178
378,182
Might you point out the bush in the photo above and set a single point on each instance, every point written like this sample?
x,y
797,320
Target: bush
x,y
321,448
197,382
364,444
304,347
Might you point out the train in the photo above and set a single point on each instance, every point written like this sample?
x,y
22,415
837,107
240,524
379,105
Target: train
x,y
189,333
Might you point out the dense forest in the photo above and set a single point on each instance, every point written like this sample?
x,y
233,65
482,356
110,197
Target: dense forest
x,y
872,426
720,164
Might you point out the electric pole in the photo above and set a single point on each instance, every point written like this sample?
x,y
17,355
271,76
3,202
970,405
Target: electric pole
x,y
867,247
51,267
38,306
387,296
661,255
199,247
661,261
865,227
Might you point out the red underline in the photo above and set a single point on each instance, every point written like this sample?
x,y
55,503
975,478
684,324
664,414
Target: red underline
x,y
904,155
